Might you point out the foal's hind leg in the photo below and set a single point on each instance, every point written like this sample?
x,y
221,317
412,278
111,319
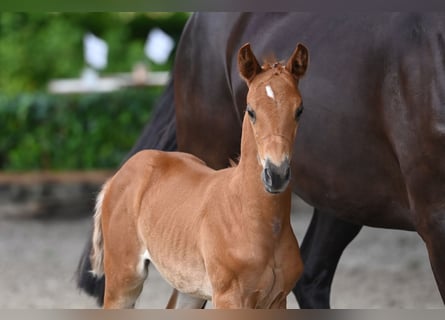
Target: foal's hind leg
x,y
124,283
125,265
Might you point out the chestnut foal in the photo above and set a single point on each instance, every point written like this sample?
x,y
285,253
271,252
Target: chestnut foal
x,y
220,235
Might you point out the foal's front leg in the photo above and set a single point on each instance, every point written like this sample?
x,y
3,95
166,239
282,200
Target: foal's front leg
x,y
234,300
234,296
180,300
230,299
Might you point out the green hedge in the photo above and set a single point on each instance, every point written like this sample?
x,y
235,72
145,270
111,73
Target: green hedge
x,y
52,132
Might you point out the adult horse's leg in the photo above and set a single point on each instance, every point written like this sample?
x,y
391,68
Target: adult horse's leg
x,y
416,72
426,188
180,300
432,230
321,249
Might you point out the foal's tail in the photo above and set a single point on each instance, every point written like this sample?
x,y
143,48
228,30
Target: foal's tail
x,y
90,272
160,134
97,250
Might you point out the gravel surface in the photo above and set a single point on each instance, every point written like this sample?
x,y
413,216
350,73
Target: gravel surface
x,y
380,269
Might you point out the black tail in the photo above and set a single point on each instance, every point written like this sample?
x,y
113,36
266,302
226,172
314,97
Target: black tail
x,y
160,134
87,281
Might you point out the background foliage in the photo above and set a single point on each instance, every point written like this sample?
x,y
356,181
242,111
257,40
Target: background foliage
x,y
41,131
58,132
37,47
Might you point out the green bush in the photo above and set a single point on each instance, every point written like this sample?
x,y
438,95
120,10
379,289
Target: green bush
x,y
52,132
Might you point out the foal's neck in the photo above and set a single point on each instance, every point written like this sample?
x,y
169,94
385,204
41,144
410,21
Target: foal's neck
x,y
249,182
248,163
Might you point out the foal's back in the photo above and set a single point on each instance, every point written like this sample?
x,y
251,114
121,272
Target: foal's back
x,y
153,175
162,185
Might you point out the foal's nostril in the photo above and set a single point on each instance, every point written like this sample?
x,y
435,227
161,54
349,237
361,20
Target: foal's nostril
x,y
287,174
276,178
268,175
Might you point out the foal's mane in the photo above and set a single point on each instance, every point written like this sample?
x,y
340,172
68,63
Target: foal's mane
x,y
233,162
270,62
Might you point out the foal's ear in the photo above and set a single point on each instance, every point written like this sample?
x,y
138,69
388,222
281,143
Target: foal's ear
x,y
297,63
247,63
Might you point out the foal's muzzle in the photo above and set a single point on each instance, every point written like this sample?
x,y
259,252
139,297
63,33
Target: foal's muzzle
x,y
276,178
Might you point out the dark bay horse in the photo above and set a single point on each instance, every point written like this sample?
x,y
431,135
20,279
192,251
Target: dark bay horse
x,y
371,145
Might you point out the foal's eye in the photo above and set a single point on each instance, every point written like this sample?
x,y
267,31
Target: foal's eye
x,y
298,112
251,113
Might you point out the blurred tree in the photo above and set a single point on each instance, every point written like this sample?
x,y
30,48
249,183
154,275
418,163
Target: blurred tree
x,y
36,47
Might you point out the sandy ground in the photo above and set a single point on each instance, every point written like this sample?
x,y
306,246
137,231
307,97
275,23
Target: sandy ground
x,y
380,269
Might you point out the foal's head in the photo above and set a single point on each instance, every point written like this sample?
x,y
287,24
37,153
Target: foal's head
x,y
274,106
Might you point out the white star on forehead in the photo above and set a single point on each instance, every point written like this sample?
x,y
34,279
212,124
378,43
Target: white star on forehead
x,y
269,92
